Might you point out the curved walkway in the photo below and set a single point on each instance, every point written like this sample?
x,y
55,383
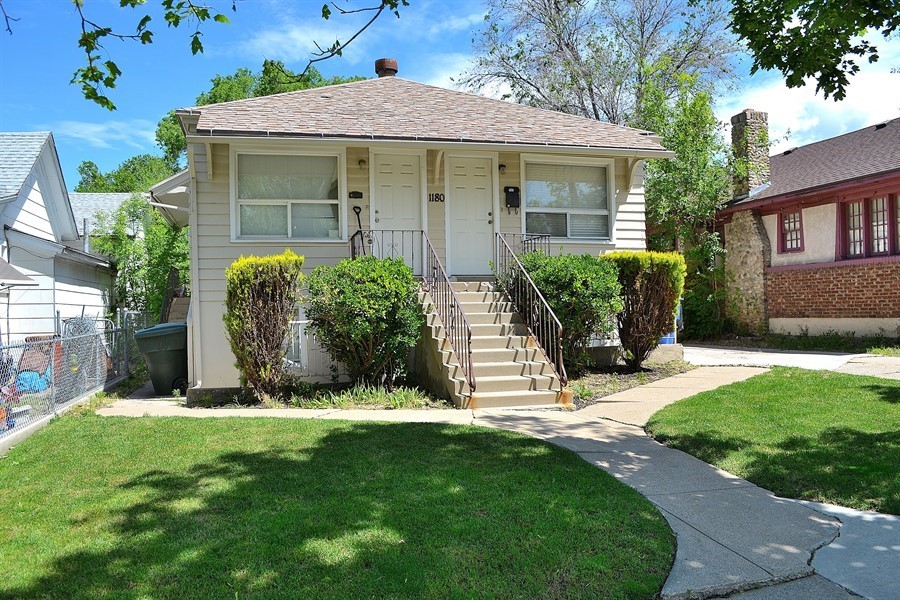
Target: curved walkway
x,y
731,534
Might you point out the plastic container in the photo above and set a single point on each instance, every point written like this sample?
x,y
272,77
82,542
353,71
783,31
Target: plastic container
x,y
164,347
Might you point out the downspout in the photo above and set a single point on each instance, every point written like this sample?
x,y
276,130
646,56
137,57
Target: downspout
x,y
195,365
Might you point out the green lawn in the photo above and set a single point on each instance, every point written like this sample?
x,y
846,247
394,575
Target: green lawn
x,y
271,508
815,435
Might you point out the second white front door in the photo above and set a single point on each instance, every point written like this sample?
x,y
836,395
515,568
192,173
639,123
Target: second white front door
x,y
470,206
397,208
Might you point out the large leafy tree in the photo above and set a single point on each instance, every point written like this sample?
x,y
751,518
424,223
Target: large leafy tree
x,y
818,39
144,248
135,174
273,78
594,58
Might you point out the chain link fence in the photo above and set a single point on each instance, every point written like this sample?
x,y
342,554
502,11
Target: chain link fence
x,y
46,373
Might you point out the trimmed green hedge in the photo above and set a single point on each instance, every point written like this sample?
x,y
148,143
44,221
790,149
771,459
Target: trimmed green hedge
x,y
583,293
652,283
261,295
365,314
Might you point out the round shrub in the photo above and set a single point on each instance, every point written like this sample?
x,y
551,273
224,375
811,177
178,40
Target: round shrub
x,y
365,314
582,291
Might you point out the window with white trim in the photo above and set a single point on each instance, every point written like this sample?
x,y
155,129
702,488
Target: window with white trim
x,y
288,196
791,232
567,200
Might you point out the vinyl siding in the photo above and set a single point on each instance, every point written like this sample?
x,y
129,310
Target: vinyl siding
x,y
28,212
82,290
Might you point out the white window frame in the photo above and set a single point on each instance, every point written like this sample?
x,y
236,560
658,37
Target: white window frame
x,y
235,203
575,161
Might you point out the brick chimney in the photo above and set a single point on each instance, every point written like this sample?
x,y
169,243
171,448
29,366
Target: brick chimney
x,y
386,67
750,141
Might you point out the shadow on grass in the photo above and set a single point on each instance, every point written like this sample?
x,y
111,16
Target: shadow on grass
x,y
840,466
886,393
371,510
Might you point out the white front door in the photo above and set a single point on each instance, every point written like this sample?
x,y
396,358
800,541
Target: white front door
x,y
396,208
470,209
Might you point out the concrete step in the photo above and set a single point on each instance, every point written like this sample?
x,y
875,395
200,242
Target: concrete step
x,y
514,383
482,296
486,307
509,368
495,329
532,398
501,341
472,286
493,317
492,355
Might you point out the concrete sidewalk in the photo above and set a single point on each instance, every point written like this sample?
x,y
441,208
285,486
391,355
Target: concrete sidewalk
x,y
732,535
636,405
873,365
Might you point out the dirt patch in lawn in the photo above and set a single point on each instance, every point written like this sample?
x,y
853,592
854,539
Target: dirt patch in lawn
x,y
600,382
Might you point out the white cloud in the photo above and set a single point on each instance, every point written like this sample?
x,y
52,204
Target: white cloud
x,y
136,133
295,42
457,23
872,97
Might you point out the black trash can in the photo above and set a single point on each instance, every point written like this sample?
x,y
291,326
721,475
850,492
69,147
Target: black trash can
x,y
164,347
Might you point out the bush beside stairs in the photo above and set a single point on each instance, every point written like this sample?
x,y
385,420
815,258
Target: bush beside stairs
x,y
510,369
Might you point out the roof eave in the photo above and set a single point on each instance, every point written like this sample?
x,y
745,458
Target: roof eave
x,y
232,136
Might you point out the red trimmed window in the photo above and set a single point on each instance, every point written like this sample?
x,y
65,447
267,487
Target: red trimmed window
x,y
897,224
791,239
871,227
856,230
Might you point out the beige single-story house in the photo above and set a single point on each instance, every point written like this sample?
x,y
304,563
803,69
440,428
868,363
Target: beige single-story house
x,y
414,168
813,234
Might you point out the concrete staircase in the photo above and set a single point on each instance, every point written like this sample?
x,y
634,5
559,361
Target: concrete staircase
x,y
510,369
178,310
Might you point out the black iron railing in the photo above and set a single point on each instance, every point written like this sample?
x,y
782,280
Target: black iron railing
x,y
521,243
414,247
407,244
544,327
450,311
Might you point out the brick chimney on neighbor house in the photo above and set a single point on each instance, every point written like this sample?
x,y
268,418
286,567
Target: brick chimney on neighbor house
x,y
750,141
386,67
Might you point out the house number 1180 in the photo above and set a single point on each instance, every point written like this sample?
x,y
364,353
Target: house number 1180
x,y
435,197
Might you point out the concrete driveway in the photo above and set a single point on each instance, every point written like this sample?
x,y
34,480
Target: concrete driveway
x,y
873,365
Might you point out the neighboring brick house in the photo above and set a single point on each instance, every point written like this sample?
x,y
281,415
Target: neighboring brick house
x,y
813,234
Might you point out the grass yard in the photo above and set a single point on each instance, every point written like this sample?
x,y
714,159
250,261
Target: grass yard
x,y
267,508
814,435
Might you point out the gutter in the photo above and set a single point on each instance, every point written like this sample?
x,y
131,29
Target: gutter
x,y
223,136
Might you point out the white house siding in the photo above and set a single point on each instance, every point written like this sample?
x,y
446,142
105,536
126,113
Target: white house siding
x,y
819,230
82,289
29,310
213,251
28,213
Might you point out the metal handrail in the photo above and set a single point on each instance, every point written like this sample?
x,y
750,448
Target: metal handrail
x,y
542,323
522,243
436,282
449,310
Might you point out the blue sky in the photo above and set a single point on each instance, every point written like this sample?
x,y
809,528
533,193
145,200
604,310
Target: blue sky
x,y
432,42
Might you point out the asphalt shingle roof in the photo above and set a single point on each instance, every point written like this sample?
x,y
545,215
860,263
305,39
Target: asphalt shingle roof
x,y
870,151
392,108
86,206
18,153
